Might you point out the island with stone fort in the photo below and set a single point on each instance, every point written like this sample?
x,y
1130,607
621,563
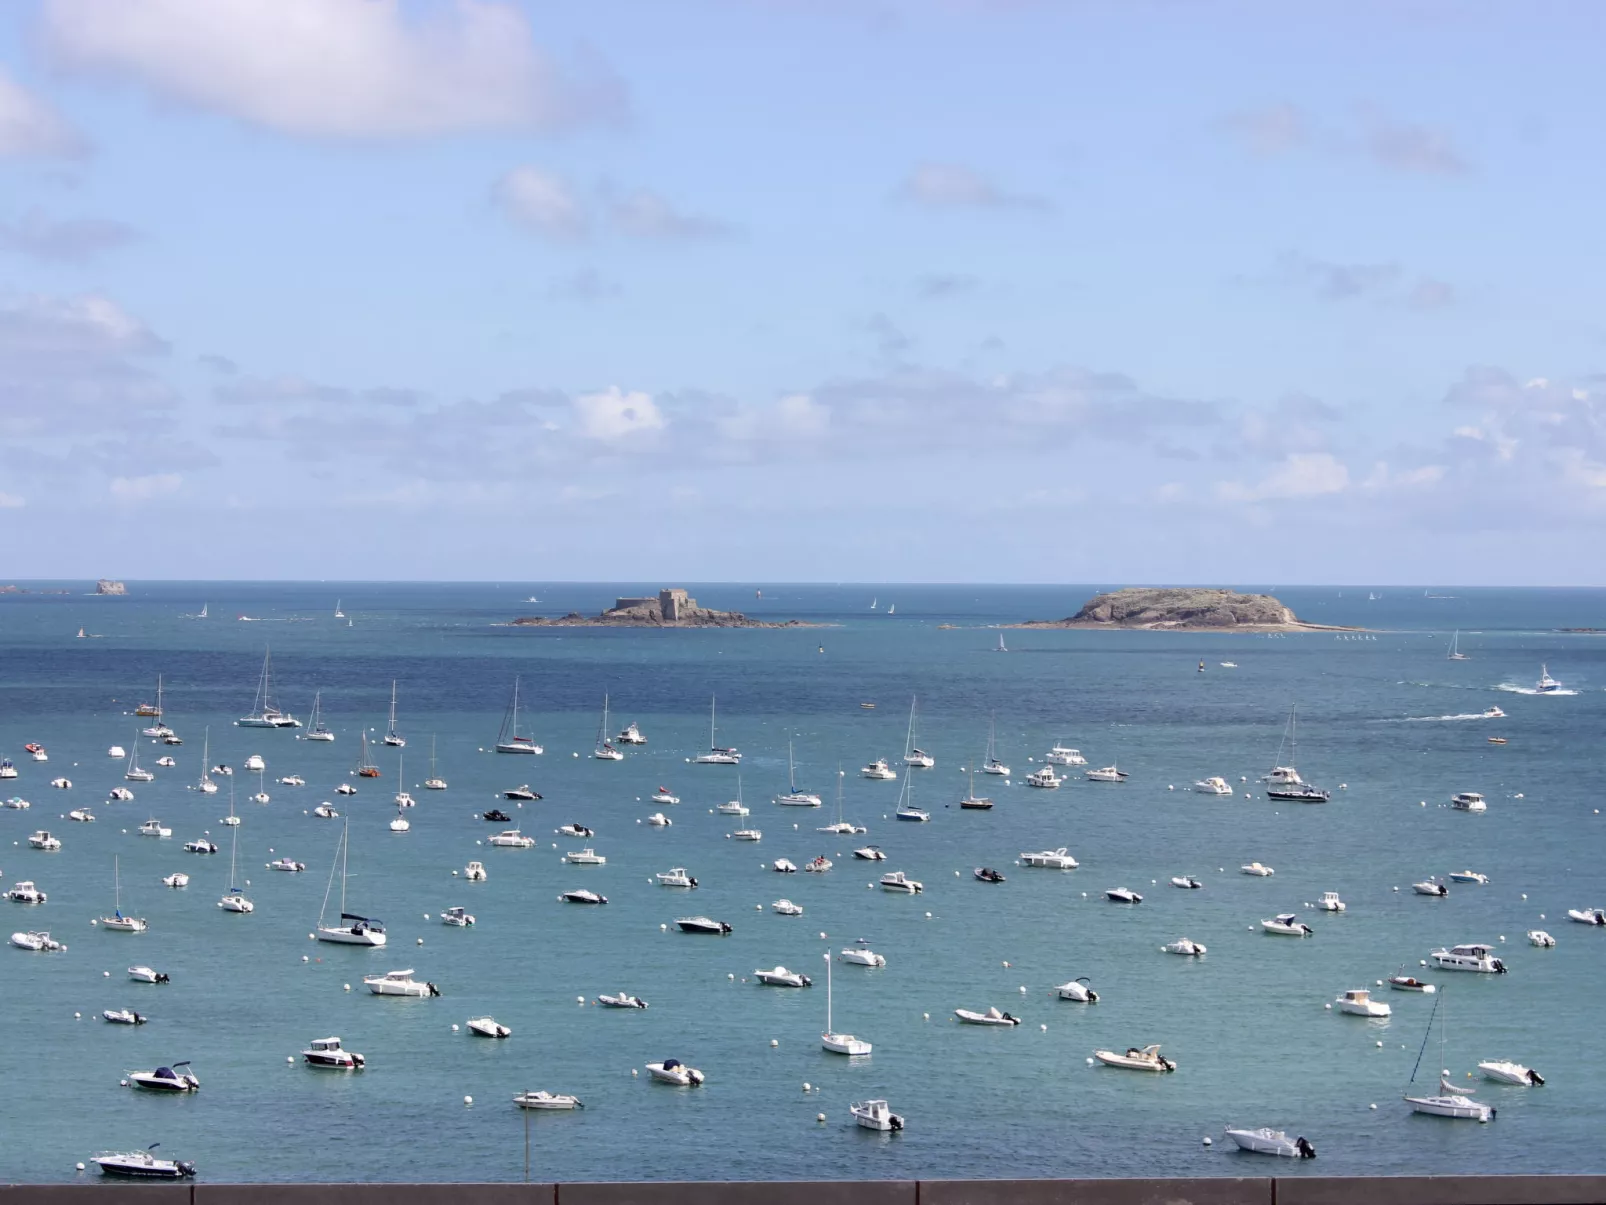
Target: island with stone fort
x,y
1185,609
670,608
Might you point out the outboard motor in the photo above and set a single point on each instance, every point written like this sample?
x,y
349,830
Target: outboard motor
x,y
1167,1063
1305,1149
1536,1079
694,882
1092,996
433,990
161,977
1499,967
357,1060
186,1168
895,1121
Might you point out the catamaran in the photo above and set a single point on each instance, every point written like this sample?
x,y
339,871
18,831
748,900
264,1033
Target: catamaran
x,y
605,750
795,798
510,739
317,730
263,712
392,737
352,930
912,754
717,755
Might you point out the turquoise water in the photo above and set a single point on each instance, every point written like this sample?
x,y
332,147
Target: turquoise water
x,y
1246,1024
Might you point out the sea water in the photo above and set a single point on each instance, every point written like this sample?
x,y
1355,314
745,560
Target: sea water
x,y
1386,722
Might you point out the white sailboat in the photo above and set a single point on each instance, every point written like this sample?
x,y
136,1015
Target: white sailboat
x,y
339,614
605,750
1452,1100
841,826
830,1040
1455,653
1283,781
1002,647
434,782
795,798
317,730
206,786
234,899
912,754
992,765
117,921
393,738
717,755
352,930
133,772
264,714
510,739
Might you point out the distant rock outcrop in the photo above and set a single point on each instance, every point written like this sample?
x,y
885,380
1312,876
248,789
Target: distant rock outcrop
x,y
672,608
1187,608
107,586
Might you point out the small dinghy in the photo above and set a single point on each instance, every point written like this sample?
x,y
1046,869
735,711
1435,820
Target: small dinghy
x,y
123,1016
1538,937
1186,947
991,1017
1267,1141
987,874
177,1078
622,1000
1123,895
583,897
1287,925
819,864
781,977
1077,990
1148,1058
39,942
176,879
1187,881
673,1071
144,974
875,1115
1511,1073
574,830
1410,983
488,1027
1587,916
547,1100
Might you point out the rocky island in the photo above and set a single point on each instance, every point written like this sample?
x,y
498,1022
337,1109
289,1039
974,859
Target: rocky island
x,y
1185,609
107,586
672,608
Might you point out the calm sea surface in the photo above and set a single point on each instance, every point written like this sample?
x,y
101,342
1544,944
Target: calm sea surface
x,y
1387,722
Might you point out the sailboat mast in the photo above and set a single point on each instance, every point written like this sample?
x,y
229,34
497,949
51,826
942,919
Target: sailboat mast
x,y
828,1028
711,701
345,855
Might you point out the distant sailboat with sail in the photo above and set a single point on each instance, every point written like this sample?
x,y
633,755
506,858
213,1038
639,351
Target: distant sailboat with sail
x,y
1455,653
317,730
393,738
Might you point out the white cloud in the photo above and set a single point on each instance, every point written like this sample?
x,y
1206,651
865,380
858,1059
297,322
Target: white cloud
x,y
11,501
646,214
542,202
28,126
335,68
614,414
1300,475
953,186
143,489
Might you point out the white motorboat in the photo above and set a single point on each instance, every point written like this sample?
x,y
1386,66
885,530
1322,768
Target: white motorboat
x,y
458,918
1587,916
870,853
748,834
1064,755
665,795
167,763
1474,956
176,879
1187,881
986,874
1493,713
120,795
1123,895
879,770
717,755
786,908
510,838
1546,684
1511,1073
317,730
474,872
1410,983
875,1115
1267,1141
622,1000
82,815
116,752
325,811
289,865
1538,937
1215,785
630,735
1468,801
37,752
896,880
1148,1058
144,974
795,798
1106,774
1257,870
399,983
400,824
223,771
1330,902
24,892
200,846
255,763
1358,1002
673,1071
350,929
1287,925
61,784
734,808
43,840
142,1165
584,857
487,1027
1469,876
702,924
17,804
511,739
117,922
345,788
659,820
676,877
164,1079
327,1053
992,1016
914,756
7,768
292,780
1050,859
39,941
1044,779
1431,887
542,1099
831,1041
1078,991
819,864
583,896
781,977
1187,947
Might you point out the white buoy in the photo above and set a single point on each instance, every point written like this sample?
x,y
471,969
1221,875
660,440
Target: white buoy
x,y
468,1100
926,1016
426,916
420,941
1044,1028
80,1167
304,958
1380,1045
634,1073
1089,1062
663,928
928,916
1371,1106
731,977
1207,1142
347,986
1023,989
107,974
77,1016
773,1043
454,1027
817,1117
807,1087
1327,1006
291,1059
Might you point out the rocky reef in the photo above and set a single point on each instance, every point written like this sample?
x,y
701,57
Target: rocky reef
x,y
672,608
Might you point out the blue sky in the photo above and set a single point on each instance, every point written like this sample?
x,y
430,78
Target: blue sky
x,y
931,290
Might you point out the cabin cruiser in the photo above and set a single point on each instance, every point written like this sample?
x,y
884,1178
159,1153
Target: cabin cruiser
x,y
176,879
144,974
405,800
659,820
474,872
1468,801
862,955
522,793
676,876
583,896
547,1100
153,828
1410,983
1050,859
1431,887
1045,779
82,815
1282,776
1187,947
1511,1073
734,808
1267,1141
896,880
165,1079
287,864
1358,1002
1106,774
584,857
1474,956
1078,990
1452,1101
39,941
255,762
664,795
748,834
1191,882
1257,870
399,983
7,768
631,735
36,751
1064,755
1287,925
991,1017
488,1027
1212,786
200,846
987,874
880,771
1587,916
142,1165
24,892
1469,876
1330,902
622,1000
1538,937
870,853
673,1071
325,812
1546,684
875,1115
292,780
701,924
910,812
786,908
496,816
327,1052
1123,895
781,977
510,839
43,840
459,918
1147,1059
120,795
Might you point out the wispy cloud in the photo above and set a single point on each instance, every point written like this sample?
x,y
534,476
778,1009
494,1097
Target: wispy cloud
x,y
1408,147
954,186
937,285
1391,143
30,127
645,214
543,203
1269,130
71,240
1336,281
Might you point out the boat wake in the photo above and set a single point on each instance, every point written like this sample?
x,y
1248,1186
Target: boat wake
x,y
1513,688
1437,719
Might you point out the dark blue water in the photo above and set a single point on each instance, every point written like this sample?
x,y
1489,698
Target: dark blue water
x,y
1247,1024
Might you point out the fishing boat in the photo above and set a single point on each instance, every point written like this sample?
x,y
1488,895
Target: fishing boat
x,y
352,930
795,798
329,1054
399,983
1451,1100
1044,779
117,921
630,735
676,877
43,839
1546,684
511,739
897,880
457,918
317,730
264,713
879,771
1110,773
1358,1002
393,738
717,755
24,892
234,899
875,1115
